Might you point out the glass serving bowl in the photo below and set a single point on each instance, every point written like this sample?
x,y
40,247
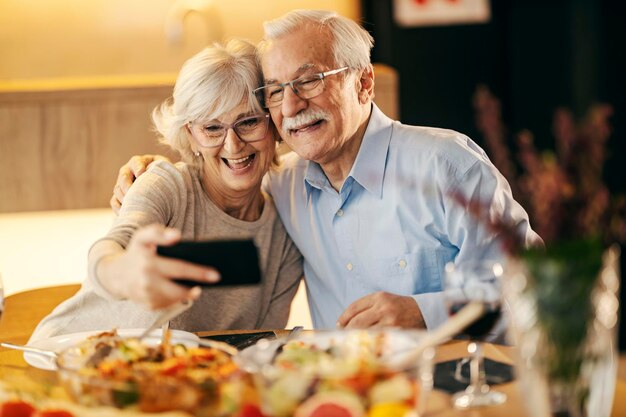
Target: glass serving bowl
x,y
153,377
339,373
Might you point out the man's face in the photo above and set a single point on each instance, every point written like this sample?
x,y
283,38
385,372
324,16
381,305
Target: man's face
x,y
318,128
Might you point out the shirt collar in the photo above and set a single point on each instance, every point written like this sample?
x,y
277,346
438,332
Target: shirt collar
x,y
314,177
369,165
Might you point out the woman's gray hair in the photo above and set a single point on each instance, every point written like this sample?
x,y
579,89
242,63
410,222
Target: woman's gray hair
x,y
352,44
211,83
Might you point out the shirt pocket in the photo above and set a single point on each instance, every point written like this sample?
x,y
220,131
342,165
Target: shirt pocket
x,y
406,274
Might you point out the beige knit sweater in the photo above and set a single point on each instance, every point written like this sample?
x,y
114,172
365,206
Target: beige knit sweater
x,y
172,195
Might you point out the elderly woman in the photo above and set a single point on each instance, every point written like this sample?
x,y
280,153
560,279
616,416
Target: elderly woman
x,y
227,144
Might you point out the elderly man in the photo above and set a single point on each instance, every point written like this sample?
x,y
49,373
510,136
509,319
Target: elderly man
x,y
367,200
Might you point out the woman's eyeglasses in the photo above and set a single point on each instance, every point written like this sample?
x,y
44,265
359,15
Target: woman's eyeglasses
x,y
248,129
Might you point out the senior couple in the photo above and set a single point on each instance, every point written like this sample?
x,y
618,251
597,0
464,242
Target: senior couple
x,y
364,199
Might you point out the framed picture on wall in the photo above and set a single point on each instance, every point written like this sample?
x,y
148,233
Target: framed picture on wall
x,y
413,13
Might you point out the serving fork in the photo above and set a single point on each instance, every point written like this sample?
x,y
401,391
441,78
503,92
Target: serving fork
x,y
164,318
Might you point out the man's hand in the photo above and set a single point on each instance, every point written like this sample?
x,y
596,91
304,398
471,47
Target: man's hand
x,y
382,309
142,276
128,173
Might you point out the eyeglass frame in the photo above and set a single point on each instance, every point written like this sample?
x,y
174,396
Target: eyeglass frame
x,y
320,75
229,126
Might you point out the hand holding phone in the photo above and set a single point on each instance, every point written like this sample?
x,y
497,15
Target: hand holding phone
x,y
236,260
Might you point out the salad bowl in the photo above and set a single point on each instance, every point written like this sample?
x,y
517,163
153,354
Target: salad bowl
x,y
126,372
351,373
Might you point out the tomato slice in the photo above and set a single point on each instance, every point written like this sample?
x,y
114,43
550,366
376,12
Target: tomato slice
x,y
16,408
250,410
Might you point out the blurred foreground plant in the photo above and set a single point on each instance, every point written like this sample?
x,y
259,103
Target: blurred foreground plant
x,y
563,295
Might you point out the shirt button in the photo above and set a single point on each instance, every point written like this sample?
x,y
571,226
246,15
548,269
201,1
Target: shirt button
x,y
340,212
402,263
349,266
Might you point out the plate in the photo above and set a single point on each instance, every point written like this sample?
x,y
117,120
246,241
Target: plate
x,y
61,342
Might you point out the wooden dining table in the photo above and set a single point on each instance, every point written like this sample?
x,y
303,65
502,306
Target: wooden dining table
x,y
24,310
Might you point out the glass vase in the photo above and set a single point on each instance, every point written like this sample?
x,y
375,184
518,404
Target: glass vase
x,y
563,305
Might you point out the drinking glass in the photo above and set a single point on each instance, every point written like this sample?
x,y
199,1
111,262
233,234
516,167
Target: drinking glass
x,y
476,281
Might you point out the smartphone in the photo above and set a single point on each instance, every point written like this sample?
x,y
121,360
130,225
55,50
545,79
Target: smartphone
x,y
236,260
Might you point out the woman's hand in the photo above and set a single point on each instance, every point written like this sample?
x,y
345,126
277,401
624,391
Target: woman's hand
x,y
140,275
127,174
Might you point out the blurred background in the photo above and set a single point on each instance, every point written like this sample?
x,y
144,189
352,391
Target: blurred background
x,y
534,55
78,80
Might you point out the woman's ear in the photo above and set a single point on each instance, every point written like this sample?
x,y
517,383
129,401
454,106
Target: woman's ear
x,y
192,147
188,129
366,85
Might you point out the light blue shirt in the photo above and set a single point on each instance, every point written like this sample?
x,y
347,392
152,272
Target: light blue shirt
x,y
393,226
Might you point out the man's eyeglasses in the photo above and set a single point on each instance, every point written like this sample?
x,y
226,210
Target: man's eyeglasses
x,y
248,129
305,87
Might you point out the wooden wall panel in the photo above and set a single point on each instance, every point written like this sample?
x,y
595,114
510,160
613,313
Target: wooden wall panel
x,y
61,148
20,155
62,151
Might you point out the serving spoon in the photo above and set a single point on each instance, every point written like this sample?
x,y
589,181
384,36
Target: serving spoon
x,y
291,336
43,352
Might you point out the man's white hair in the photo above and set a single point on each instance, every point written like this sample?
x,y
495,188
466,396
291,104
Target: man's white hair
x,y
351,43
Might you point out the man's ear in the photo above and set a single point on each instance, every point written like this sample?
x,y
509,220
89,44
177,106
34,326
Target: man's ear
x,y
366,84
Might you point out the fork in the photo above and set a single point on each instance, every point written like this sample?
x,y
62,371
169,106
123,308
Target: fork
x,y
164,318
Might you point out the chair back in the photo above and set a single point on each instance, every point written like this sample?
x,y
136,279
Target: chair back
x,y
24,310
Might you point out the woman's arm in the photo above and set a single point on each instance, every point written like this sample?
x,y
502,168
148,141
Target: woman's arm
x,y
137,273
125,264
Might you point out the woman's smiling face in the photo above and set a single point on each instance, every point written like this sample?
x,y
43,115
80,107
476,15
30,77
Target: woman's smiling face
x,y
236,166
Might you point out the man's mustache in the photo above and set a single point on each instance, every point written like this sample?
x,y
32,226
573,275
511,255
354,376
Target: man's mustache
x,y
302,119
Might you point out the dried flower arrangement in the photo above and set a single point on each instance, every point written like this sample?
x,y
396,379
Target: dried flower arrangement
x,y
562,190
573,211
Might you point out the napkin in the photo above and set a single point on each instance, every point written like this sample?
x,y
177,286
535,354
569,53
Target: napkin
x,y
242,340
496,373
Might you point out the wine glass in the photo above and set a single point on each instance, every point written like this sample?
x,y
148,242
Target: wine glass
x,y
476,281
